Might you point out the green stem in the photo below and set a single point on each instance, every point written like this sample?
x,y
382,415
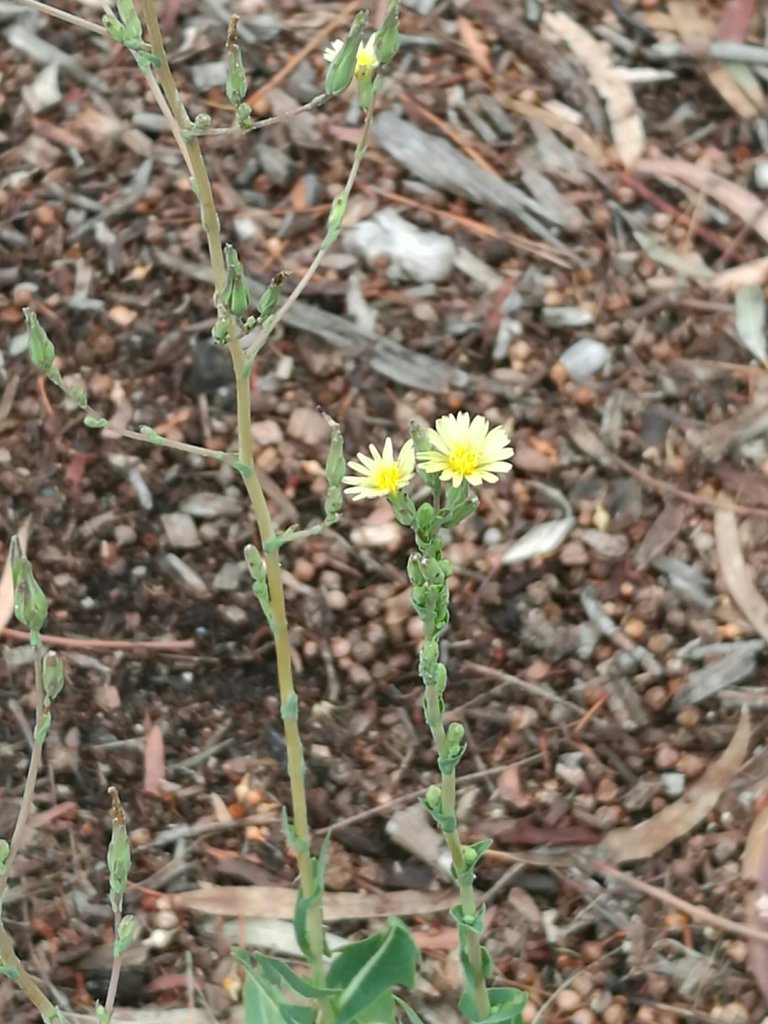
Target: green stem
x,y
24,979
256,341
8,956
114,975
294,749
30,783
466,891
210,222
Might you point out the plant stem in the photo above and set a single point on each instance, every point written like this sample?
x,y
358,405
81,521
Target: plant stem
x,y
8,956
32,772
466,891
210,221
24,979
288,700
256,340
114,976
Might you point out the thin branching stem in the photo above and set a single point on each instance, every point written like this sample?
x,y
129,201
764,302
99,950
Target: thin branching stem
x,y
211,228
33,770
114,974
254,342
73,19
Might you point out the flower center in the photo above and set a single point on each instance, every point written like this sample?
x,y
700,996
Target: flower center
x,y
386,477
464,459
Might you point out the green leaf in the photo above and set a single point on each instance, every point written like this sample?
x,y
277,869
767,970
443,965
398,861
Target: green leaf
x,y
261,1004
279,972
368,968
305,903
410,1013
382,1011
94,422
507,1006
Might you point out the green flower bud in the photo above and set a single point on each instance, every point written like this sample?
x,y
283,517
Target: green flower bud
x,y
270,297
425,517
124,937
235,298
77,393
335,464
243,116
41,349
220,331
30,605
455,733
368,82
341,70
118,854
335,218
202,122
53,676
387,40
235,85
433,798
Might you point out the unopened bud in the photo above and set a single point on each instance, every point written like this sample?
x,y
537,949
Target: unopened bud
x,y
341,70
41,350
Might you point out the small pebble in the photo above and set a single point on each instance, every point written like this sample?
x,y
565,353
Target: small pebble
x,y
673,784
180,531
584,358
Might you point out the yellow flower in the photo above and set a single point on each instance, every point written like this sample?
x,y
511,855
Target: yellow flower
x,y
467,450
380,473
366,55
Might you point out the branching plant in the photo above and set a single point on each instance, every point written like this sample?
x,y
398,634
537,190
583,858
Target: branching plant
x,y
356,985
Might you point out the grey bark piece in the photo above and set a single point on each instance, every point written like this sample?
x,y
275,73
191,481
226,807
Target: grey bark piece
x,y
733,668
440,164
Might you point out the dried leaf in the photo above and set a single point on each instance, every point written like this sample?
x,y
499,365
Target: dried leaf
x,y
541,540
754,872
686,264
749,319
754,272
736,574
733,197
662,531
623,845
154,761
735,82
269,901
477,47
620,106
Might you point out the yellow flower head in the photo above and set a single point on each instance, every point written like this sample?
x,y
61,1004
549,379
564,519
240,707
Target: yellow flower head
x,y
366,55
467,450
380,473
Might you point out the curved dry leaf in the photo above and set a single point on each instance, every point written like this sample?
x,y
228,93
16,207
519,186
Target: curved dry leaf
x,y
749,208
623,845
749,318
620,106
541,540
754,871
736,574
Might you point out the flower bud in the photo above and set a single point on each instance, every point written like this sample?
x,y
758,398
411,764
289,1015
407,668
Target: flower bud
x,y
335,218
118,854
30,605
455,733
41,350
341,70
433,798
270,297
235,298
53,676
235,86
387,39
